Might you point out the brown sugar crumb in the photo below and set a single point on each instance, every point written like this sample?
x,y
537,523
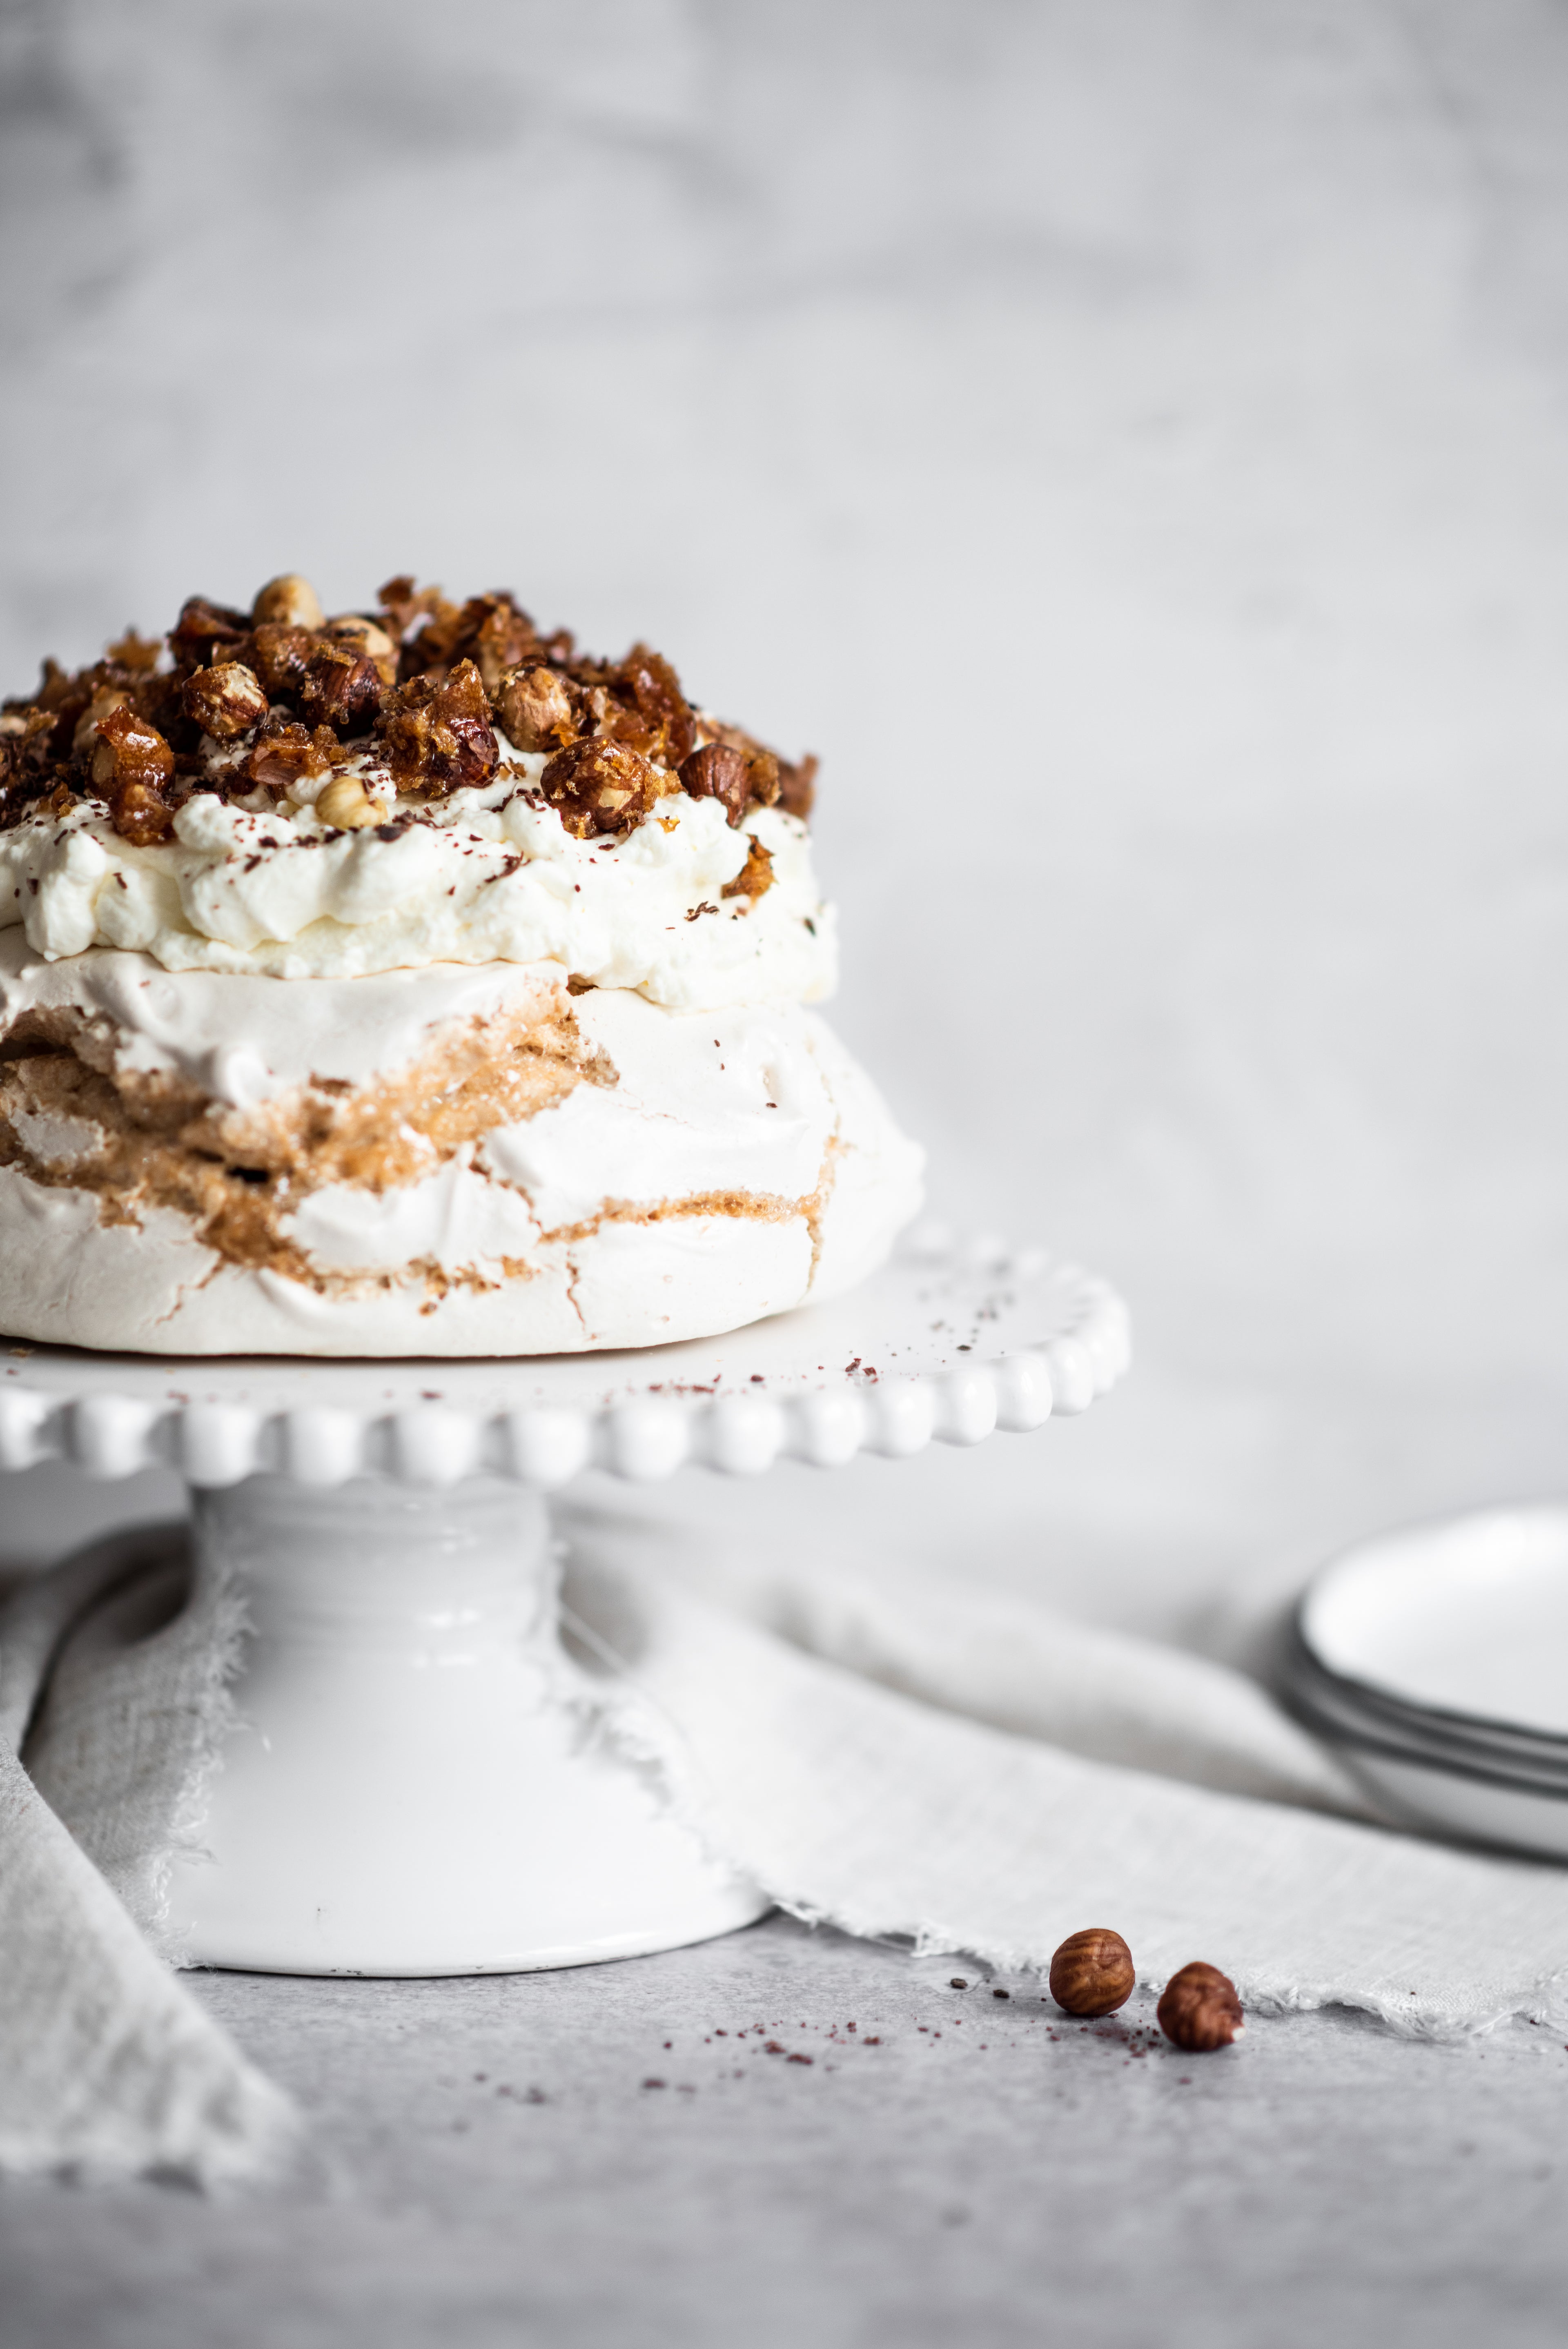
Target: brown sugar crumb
x,y
233,700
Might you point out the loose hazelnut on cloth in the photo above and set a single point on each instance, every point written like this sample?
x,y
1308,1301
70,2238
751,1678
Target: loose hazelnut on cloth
x,y
1092,1972
1199,2010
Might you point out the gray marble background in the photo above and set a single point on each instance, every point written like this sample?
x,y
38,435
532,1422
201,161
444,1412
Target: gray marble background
x,y
1128,441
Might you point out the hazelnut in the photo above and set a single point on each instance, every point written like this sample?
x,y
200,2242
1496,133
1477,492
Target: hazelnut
x,y
340,688
87,723
369,641
718,771
289,602
344,805
226,701
1093,1972
535,709
603,787
1199,2010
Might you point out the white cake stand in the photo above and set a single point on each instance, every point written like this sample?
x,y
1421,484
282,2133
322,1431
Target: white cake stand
x,y
407,1790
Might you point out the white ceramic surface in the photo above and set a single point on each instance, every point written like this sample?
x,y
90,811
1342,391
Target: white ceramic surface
x,y
948,1342
1437,1659
1469,1617
1459,1802
415,1786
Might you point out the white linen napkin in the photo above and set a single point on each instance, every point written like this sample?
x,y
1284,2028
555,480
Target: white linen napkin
x,y
971,1774
106,2064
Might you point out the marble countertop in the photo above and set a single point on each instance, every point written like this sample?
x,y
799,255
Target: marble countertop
x,y
491,2165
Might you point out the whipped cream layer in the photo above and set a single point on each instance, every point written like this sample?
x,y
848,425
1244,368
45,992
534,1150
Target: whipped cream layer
x,y
687,1171
480,876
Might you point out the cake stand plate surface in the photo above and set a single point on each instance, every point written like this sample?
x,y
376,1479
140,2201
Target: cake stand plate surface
x,y
407,1787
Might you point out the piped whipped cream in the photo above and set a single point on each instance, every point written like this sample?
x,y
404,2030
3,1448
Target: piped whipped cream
x,y
482,877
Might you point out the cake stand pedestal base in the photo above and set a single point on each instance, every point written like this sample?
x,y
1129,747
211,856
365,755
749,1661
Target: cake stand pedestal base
x,y
412,1784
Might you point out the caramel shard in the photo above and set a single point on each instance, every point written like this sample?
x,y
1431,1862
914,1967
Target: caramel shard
x,y
279,656
285,753
203,630
755,877
646,708
436,736
797,786
340,688
132,763
139,653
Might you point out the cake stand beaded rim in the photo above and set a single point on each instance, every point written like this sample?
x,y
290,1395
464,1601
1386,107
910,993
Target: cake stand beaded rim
x,y
1043,1338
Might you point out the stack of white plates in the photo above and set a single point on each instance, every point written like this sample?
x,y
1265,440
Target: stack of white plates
x,y
1436,1660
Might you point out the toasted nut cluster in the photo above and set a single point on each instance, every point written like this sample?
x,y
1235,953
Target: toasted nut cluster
x,y
353,630
131,762
1092,1972
226,701
437,732
604,787
535,710
1199,2010
435,694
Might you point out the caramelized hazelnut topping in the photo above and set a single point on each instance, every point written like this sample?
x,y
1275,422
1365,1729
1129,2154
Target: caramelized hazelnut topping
x,y
203,631
352,628
535,710
340,688
133,763
604,787
422,685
